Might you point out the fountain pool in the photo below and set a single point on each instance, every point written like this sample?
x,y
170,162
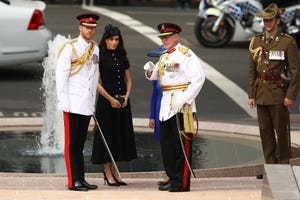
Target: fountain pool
x,y
20,152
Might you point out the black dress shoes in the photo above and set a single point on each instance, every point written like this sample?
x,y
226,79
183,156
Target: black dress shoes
x,y
78,186
175,188
165,187
162,183
259,176
88,186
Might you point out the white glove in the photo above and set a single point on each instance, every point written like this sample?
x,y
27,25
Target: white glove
x,y
149,66
178,104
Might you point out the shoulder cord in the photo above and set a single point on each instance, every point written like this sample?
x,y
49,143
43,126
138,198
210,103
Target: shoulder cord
x,y
161,66
78,62
257,52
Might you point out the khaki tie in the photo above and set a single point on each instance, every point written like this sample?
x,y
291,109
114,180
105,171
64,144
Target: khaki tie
x,y
269,39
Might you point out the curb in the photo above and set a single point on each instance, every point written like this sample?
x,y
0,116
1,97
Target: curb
x,y
141,125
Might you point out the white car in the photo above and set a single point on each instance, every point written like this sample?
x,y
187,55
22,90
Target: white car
x,y
23,35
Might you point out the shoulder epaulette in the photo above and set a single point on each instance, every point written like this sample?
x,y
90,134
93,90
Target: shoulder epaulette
x,y
63,46
95,43
71,41
183,49
261,35
286,35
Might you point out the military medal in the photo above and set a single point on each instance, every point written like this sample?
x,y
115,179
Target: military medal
x,y
176,67
95,59
276,55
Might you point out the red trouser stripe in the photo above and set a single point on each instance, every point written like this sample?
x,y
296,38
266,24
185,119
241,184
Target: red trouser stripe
x,y
67,149
186,167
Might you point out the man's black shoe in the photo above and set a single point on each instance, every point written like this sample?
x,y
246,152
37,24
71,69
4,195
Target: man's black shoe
x,y
164,187
259,176
88,186
162,183
175,188
78,186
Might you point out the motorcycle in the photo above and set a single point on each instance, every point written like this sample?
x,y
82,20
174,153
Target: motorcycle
x,y
221,21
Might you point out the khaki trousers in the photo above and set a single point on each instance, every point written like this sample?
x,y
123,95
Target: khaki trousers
x,y
272,121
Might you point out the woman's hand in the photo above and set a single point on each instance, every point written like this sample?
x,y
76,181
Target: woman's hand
x,y
115,103
151,123
125,100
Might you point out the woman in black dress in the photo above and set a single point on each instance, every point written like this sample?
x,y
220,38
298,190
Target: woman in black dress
x,y
113,110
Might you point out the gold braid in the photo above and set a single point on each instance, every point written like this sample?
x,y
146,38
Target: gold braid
x,y
63,46
188,119
78,62
257,52
161,66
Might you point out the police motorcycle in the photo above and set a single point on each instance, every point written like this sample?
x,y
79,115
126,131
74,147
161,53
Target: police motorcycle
x,y
220,21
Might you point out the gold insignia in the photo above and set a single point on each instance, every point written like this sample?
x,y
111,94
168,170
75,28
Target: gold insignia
x,y
287,35
71,41
183,49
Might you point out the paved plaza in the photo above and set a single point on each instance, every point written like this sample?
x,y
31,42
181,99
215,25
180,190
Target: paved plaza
x,y
237,183
46,187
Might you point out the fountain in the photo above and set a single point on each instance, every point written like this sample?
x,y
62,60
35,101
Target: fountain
x,y
52,134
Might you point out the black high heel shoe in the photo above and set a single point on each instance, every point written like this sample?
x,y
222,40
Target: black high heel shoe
x,y
119,182
106,181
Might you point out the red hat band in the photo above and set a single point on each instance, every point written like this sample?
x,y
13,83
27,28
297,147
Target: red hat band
x,y
89,19
168,30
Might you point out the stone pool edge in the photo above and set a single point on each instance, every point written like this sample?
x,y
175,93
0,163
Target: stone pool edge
x,y
140,124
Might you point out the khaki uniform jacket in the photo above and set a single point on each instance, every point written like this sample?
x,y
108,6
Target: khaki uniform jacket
x,y
268,59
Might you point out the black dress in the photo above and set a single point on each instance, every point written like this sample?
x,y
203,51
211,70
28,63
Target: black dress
x,y
116,124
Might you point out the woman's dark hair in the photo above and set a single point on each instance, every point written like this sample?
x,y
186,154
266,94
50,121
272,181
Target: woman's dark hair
x,y
110,31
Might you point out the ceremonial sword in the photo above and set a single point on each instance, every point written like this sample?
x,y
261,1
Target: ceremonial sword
x,y
106,146
182,146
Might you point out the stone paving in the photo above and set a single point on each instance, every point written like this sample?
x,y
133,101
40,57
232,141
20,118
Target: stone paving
x,y
48,187
237,183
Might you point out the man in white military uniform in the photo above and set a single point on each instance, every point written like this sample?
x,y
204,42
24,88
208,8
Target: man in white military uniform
x,y
181,78
76,82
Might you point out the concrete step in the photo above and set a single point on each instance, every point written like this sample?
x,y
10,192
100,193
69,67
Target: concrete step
x,y
296,170
280,182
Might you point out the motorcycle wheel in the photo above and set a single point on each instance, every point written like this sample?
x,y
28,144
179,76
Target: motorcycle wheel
x,y
204,34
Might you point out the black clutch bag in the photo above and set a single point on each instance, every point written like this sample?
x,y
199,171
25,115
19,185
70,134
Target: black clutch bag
x,y
120,99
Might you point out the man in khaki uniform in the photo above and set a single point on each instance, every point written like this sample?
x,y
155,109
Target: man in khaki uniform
x,y
270,53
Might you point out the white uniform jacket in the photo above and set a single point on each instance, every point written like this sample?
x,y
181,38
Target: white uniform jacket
x,y
179,68
77,93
